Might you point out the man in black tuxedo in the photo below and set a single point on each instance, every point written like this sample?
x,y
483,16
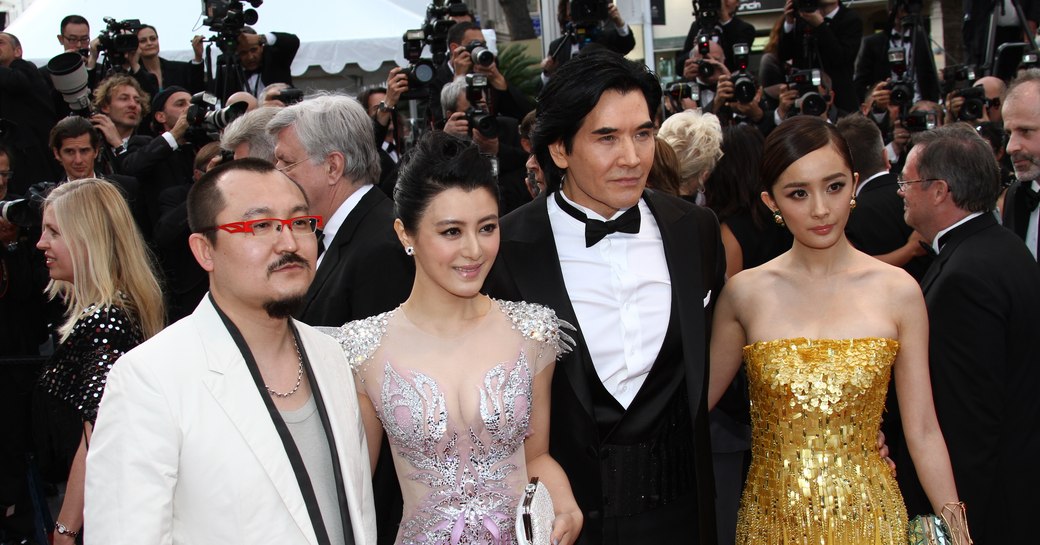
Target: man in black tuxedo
x,y
732,30
876,226
629,423
264,58
828,39
872,64
613,34
327,145
1021,113
982,293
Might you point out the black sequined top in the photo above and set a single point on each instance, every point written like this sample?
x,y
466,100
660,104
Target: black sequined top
x,y
77,372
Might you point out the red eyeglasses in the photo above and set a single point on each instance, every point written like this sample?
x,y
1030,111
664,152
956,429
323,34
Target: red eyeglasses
x,y
298,226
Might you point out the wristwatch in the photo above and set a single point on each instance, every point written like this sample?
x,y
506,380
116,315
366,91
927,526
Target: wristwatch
x,y
61,529
382,107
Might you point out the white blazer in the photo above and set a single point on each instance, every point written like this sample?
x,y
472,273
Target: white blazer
x,y
184,451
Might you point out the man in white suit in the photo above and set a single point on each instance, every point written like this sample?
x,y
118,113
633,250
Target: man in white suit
x,y
237,424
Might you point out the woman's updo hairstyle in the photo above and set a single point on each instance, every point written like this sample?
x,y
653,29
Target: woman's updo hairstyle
x,y
795,138
439,161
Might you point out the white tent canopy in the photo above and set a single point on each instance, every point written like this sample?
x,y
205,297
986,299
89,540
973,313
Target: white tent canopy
x,y
333,34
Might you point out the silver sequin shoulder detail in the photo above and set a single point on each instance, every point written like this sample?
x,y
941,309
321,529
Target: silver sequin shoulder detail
x,y
360,338
539,323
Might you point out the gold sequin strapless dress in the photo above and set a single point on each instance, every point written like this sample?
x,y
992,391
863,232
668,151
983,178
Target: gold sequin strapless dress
x,y
816,477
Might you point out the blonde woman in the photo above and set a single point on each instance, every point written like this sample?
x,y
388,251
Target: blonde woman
x,y
697,140
100,268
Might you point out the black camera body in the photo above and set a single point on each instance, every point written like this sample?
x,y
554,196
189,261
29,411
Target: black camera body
x,y
119,37
479,52
477,117
28,211
807,6
901,87
956,76
205,121
744,86
589,12
807,83
974,105
420,71
227,18
919,121
680,89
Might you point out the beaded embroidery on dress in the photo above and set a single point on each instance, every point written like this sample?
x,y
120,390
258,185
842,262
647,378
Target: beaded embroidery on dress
x,y
816,476
456,412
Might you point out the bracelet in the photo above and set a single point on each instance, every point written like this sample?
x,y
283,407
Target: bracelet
x,y
63,530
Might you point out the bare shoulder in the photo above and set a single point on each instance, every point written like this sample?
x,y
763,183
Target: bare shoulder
x,y
895,283
750,281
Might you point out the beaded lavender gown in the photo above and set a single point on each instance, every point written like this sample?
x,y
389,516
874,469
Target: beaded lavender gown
x,y
456,412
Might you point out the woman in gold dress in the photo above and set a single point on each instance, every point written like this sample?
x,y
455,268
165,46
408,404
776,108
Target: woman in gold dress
x,y
821,328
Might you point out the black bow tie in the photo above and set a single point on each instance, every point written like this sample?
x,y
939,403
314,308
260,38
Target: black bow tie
x,y
928,248
1030,197
595,230
321,241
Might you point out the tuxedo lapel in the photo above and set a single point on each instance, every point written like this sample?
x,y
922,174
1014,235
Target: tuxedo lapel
x,y
951,241
233,388
539,279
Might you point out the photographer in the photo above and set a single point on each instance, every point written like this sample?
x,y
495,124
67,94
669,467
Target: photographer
x,y
717,91
25,114
826,37
803,97
873,63
380,103
189,75
264,58
980,102
612,33
734,31
463,40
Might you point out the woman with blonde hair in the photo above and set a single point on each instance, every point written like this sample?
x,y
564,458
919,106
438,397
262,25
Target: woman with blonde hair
x,y
696,139
100,268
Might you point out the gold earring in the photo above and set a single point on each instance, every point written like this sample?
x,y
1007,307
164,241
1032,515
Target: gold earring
x,y
852,204
778,218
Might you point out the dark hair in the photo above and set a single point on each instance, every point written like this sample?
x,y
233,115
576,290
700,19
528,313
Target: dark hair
x,y
365,94
205,199
865,144
458,30
527,125
574,91
73,20
562,13
964,160
795,138
72,127
734,185
664,174
142,27
439,161
205,155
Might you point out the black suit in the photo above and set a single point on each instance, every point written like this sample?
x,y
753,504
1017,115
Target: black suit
x,y
528,269
736,31
837,44
1016,210
982,293
189,75
877,227
275,67
609,38
872,65
25,106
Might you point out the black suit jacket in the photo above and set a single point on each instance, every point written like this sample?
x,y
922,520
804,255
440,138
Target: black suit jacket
x,y
608,38
982,293
837,43
872,65
1016,212
528,269
364,270
877,226
189,75
26,107
276,67
736,31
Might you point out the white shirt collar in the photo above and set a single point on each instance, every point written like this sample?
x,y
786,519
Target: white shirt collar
x,y
868,180
965,219
588,211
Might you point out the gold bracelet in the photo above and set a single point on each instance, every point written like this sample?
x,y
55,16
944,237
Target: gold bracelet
x,y
957,509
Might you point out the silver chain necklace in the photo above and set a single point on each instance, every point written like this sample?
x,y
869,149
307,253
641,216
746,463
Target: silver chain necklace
x,y
299,375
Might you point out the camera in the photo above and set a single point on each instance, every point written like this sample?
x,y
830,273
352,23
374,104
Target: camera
x,y
289,96
227,18
807,83
681,89
69,76
476,116
744,87
205,120
588,12
974,105
119,36
420,71
806,6
957,76
901,89
1029,60
27,211
705,69
919,121
480,53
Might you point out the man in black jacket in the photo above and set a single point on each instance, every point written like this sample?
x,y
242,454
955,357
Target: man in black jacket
x,y
734,30
872,64
27,113
264,59
827,38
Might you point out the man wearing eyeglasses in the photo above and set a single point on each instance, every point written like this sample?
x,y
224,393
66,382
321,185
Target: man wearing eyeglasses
x,y
236,424
982,292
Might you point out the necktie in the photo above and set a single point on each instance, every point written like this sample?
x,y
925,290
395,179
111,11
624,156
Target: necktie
x,y
321,241
595,229
1030,197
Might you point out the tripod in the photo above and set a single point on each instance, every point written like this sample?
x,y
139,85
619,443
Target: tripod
x,y
230,77
989,65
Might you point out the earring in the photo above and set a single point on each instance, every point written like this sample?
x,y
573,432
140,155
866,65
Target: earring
x,y
410,250
778,218
852,204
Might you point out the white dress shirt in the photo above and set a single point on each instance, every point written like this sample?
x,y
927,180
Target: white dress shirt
x,y
1031,229
621,294
939,235
333,223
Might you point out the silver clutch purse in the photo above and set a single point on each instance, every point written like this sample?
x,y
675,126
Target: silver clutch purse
x,y
534,515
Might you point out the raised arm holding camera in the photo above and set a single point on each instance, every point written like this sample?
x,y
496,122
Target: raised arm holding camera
x,y
824,34
596,23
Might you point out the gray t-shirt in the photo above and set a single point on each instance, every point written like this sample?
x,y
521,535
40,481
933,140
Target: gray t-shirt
x,y
306,429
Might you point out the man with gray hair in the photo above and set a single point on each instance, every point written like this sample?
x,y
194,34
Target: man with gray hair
x,y
1021,113
247,136
982,292
326,144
